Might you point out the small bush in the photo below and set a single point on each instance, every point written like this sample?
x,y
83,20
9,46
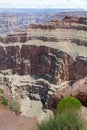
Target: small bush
x,y
63,121
14,106
1,91
68,103
4,101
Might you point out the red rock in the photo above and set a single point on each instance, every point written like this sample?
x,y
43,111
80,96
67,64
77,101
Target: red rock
x,y
66,23
78,90
42,61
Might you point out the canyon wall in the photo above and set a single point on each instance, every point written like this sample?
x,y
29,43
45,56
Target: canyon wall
x,y
69,22
44,61
41,61
13,22
17,20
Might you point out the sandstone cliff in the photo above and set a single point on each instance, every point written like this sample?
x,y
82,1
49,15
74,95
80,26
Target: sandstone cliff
x,y
69,22
45,62
35,63
17,20
53,31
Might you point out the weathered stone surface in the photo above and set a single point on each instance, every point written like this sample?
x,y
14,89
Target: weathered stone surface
x,y
40,61
16,37
79,42
70,18
36,71
69,22
77,89
29,92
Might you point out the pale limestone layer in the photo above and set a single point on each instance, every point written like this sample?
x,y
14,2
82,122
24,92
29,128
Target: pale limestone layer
x,y
20,84
63,35
59,33
70,48
30,108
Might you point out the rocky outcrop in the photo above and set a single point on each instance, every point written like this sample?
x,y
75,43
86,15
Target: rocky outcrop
x,y
83,20
23,37
76,89
74,19
79,42
16,37
41,61
70,18
58,24
13,22
69,22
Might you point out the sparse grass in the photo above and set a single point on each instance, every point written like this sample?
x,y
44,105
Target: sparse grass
x,y
4,101
1,91
14,105
68,103
67,117
63,121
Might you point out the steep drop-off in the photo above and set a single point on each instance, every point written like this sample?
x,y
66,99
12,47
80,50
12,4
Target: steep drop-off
x,y
40,61
37,63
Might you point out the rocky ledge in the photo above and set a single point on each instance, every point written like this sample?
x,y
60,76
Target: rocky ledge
x,y
34,73
77,89
41,61
42,64
69,22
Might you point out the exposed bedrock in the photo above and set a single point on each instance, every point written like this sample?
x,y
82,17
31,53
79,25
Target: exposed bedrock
x,y
16,37
24,37
40,61
69,22
77,89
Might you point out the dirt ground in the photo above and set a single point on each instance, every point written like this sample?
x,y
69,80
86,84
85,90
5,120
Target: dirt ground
x,y
10,121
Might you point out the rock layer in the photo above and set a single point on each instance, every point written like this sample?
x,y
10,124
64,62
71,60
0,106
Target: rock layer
x,y
43,62
69,22
77,89
40,61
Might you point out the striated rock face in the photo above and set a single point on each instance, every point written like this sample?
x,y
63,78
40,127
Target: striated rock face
x,y
17,20
17,37
70,18
43,62
74,19
40,61
23,37
69,22
13,22
77,89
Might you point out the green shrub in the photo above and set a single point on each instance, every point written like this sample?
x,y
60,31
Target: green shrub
x,y
1,91
63,121
68,103
4,101
14,105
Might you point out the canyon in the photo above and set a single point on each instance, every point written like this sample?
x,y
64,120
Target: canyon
x,y
43,61
13,20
